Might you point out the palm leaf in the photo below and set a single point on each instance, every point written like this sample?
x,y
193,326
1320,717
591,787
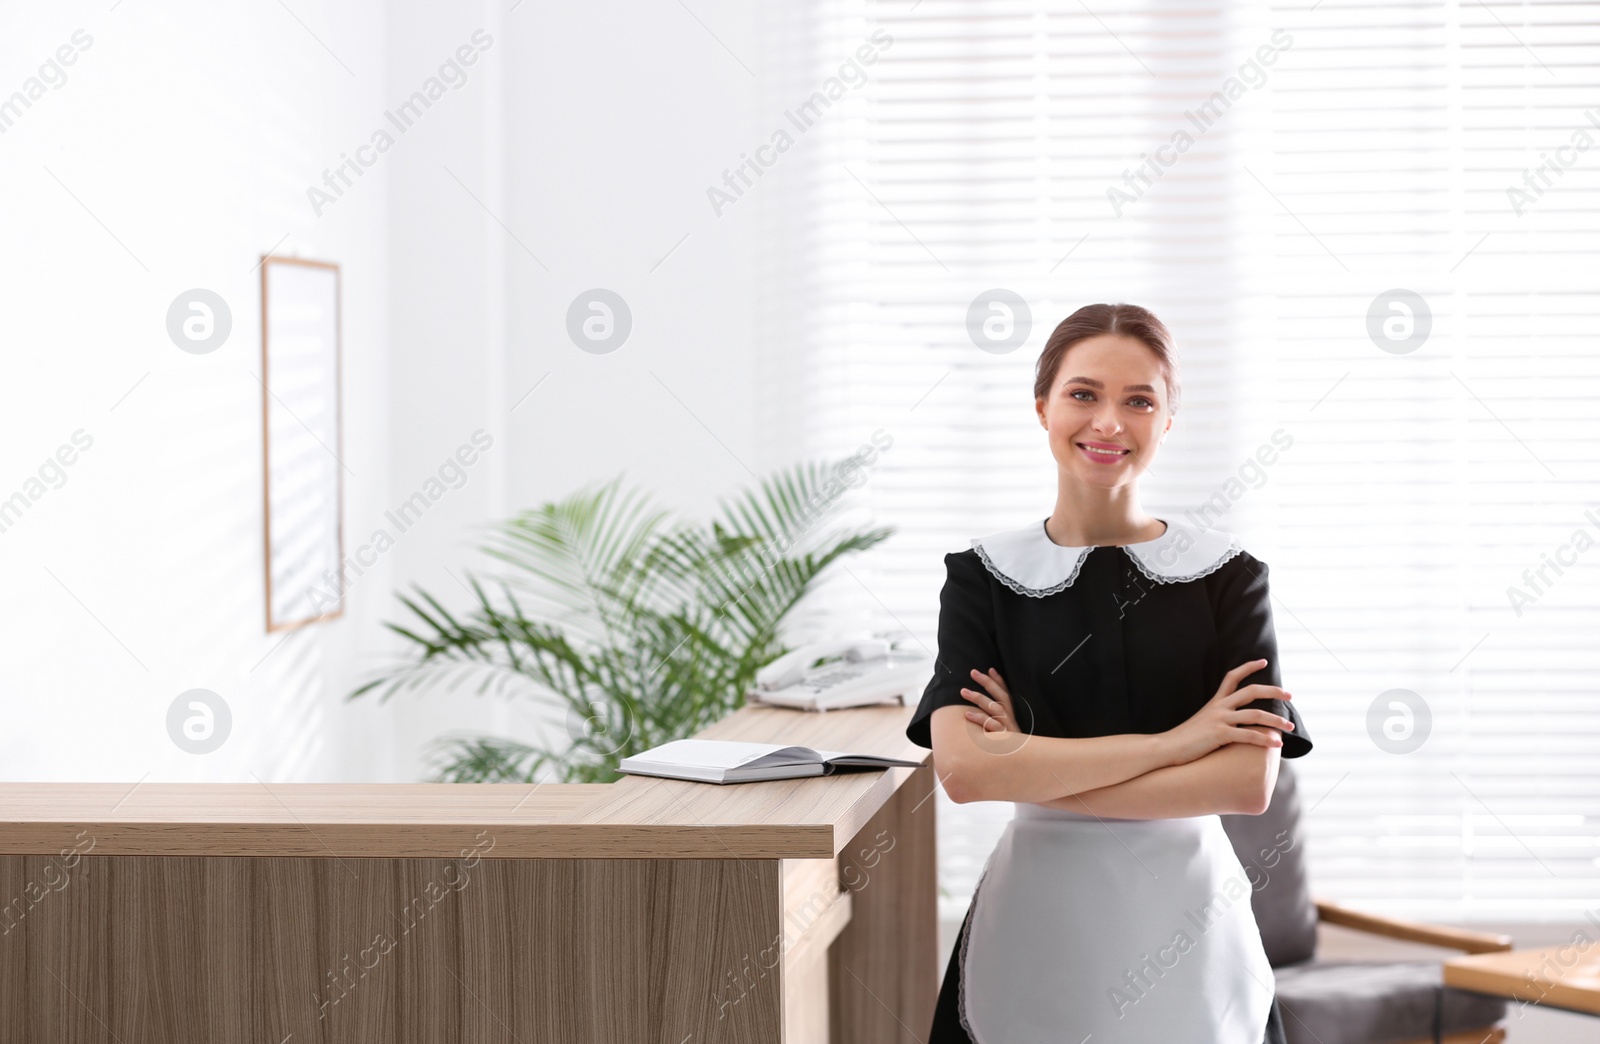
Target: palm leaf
x,y
640,628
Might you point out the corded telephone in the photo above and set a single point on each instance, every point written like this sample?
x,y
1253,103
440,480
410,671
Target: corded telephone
x,y
847,672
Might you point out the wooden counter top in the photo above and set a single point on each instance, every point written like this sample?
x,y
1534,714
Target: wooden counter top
x,y
635,818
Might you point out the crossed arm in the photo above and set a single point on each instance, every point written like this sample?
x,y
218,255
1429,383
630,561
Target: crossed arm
x,y
1235,779
1132,776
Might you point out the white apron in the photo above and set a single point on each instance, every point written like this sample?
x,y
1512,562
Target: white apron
x,y
1120,931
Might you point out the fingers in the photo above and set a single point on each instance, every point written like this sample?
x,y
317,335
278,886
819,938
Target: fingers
x,y
992,706
1242,671
984,721
997,702
991,681
1261,717
1249,693
984,702
1231,680
1260,739
989,720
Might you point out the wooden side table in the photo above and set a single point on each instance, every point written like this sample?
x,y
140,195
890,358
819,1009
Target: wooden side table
x,y
1566,977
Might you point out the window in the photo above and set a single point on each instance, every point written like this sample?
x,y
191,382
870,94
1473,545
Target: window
x,y
1262,177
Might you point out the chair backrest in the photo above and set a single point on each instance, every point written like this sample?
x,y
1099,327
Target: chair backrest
x,y
1271,849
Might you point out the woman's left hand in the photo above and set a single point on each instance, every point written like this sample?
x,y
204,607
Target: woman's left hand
x,y
992,707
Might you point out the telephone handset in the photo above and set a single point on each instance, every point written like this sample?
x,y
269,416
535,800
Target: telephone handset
x,y
846,672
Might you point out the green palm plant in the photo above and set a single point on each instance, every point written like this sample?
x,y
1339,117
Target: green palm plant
x,y
644,629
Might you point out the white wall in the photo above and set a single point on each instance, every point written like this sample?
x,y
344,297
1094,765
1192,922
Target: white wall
x,y
184,139
613,120
445,297
618,118
176,152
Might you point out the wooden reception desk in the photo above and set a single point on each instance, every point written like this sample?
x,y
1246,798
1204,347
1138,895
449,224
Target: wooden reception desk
x,y
644,910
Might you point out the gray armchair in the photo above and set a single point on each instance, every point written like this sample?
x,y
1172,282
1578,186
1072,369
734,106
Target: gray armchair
x,y
1350,1002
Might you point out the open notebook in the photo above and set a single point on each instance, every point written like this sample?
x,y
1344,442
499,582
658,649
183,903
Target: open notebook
x,y
727,761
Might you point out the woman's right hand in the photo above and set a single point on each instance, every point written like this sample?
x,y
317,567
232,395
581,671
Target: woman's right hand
x,y
1221,721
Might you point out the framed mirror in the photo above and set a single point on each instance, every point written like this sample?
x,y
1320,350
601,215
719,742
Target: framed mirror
x,y
302,442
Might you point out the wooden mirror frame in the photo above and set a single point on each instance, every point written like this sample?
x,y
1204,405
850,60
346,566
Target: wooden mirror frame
x,y
337,450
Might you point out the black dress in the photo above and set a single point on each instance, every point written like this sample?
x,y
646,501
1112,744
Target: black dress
x,y
1098,641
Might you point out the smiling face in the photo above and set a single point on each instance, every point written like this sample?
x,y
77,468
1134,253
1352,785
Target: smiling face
x,y
1107,410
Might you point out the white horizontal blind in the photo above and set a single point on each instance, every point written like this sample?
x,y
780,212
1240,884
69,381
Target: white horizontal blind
x,y
1371,153
1423,483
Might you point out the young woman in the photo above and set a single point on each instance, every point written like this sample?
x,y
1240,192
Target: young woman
x,y
1116,676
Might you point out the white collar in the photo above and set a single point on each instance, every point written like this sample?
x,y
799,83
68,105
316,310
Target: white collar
x,y
1030,563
